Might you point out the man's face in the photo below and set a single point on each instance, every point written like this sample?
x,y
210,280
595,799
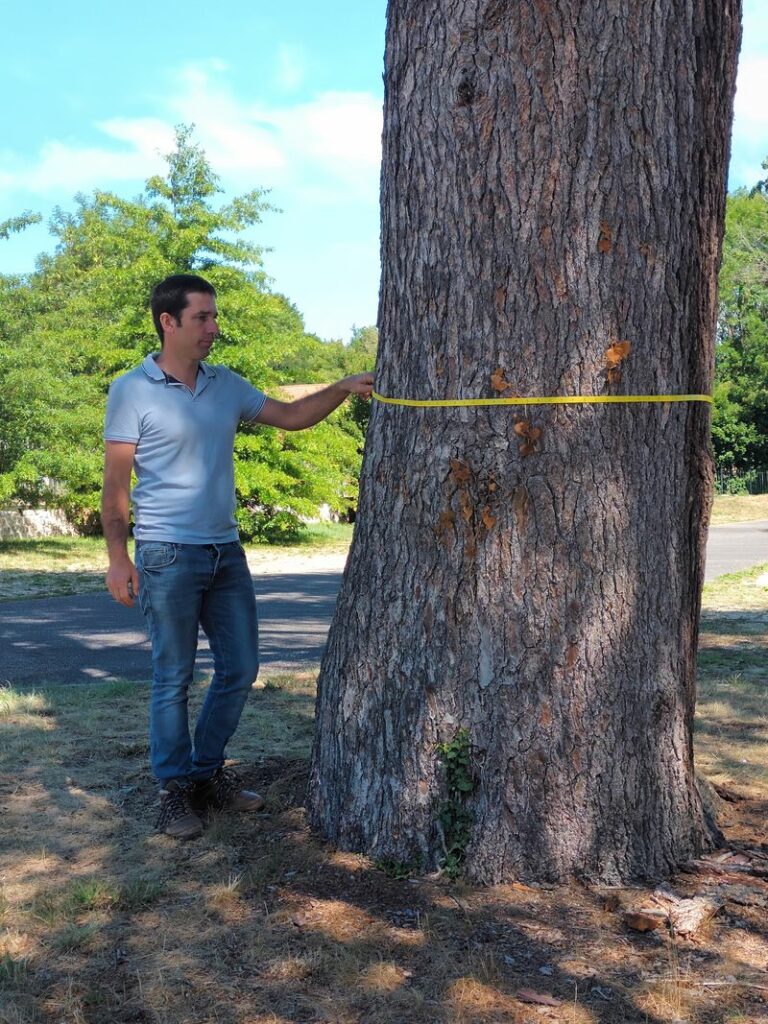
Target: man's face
x,y
193,337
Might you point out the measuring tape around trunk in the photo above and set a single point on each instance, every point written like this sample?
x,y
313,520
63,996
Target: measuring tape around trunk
x,y
442,403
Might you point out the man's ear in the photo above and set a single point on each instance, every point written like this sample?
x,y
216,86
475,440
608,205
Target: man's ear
x,y
167,322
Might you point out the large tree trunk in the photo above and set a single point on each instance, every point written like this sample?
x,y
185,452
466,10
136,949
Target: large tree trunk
x,y
553,185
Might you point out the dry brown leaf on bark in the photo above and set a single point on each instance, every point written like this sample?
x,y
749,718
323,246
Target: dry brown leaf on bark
x,y
489,521
460,471
499,381
617,353
446,522
605,241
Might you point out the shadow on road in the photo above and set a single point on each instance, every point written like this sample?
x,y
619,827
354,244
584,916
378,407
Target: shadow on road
x,y
89,637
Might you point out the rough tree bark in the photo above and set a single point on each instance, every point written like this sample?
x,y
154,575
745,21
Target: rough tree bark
x,y
553,186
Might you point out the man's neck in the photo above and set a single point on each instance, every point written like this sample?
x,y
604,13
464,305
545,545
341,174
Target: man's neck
x,y
184,370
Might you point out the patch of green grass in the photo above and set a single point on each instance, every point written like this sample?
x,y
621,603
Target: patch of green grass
x,y
16,702
13,972
46,907
292,682
141,893
84,554
73,937
52,553
731,723
60,566
93,695
737,591
88,894
84,896
329,535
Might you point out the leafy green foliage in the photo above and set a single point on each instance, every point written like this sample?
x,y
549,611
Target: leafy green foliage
x,y
82,318
740,423
396,869
455,818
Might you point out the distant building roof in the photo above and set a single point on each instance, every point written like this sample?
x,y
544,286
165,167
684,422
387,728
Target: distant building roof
x,y
294,391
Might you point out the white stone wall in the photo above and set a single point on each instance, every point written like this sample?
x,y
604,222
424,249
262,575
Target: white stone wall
x,y
34,522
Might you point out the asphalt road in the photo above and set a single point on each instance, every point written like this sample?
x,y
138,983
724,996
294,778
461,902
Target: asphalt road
x,y
91,637
78,639
735,547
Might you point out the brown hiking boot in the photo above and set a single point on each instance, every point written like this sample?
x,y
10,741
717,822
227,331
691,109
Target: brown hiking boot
x,y
177,817
225,790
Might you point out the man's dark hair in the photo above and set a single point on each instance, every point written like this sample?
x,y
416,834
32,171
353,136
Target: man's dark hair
x,y
172,296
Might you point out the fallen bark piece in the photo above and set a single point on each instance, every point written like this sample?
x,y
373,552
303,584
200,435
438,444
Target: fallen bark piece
x,y
689,915
729,867
743,895
694,867
719,857
527,995
664,909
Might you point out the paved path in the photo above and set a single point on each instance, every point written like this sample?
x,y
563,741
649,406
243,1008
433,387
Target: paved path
x,y
735,547
77,639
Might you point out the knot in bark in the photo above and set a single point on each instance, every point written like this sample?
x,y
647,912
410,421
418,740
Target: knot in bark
x,y
466,91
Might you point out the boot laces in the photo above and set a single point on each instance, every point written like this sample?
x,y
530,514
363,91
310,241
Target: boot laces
x,y
173,805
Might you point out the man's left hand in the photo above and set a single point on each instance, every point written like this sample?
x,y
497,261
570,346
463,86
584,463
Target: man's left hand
x,y
358,384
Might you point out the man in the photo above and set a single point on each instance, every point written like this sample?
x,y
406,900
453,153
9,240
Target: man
x,y
173,419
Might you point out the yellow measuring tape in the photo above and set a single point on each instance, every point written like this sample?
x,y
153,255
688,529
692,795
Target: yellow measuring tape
x,y
551,400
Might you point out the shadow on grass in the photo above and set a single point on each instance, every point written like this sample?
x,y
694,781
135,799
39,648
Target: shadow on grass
x,y
107,921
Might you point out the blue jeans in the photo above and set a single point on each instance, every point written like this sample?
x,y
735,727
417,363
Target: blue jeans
x,y
182,587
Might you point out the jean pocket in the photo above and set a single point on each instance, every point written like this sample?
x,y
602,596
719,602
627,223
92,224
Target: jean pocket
x,y
152,556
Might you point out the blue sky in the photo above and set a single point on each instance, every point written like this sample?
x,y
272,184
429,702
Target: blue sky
x,y
284,96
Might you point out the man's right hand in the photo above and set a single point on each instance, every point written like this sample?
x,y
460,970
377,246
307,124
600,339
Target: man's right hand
x,y
123,581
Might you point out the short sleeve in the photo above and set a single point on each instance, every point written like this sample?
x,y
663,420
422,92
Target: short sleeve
x,y
251,399
122,421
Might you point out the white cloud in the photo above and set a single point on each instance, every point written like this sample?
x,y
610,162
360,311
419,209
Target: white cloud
x,y
337,129
335,136
750,108
75,169
750,123
148,135
291,68
337,133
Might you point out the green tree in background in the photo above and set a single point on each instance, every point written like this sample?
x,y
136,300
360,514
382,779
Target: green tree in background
x,y
81,318
740,423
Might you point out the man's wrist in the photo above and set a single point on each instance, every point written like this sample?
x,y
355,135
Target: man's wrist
x,y
118,557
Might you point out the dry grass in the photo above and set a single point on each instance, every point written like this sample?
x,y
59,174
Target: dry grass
x,y
58,566
51,567
739,508
732,718
105,922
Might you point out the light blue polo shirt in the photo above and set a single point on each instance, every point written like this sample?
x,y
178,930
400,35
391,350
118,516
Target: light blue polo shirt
x,y
184,449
